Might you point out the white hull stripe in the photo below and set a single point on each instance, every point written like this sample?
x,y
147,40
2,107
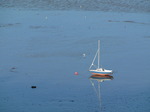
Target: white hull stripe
x,y
100,72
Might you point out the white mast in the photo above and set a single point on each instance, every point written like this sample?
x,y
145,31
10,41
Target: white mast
x,y
98,53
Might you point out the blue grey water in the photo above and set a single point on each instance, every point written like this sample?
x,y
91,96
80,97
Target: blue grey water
x,y
42,44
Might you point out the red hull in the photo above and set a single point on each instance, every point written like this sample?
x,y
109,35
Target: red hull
x,y
100,74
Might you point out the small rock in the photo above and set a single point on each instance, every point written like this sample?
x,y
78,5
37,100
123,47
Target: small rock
x,y
33,86
13,69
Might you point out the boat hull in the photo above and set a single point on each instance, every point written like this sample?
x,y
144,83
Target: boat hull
x,y
102,73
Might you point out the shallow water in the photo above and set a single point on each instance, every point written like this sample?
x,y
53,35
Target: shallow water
x,y
80,5
44,49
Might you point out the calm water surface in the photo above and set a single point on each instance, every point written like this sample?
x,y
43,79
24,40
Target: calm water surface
x,y
45,47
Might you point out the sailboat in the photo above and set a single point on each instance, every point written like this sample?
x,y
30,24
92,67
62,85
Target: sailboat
x,y
99,70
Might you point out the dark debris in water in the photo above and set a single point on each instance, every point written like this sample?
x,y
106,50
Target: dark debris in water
x,y
33,87
9,25
37,27
71,100
128,21
63,100
60,101
13,69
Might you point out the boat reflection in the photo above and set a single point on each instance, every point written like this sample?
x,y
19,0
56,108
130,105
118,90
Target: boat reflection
x,y
95,82
101,78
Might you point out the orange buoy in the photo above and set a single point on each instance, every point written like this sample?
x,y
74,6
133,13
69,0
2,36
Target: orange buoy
x,y
76,73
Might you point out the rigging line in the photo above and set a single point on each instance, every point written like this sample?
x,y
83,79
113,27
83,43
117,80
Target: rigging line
x,y
94,88
93,60
95,66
